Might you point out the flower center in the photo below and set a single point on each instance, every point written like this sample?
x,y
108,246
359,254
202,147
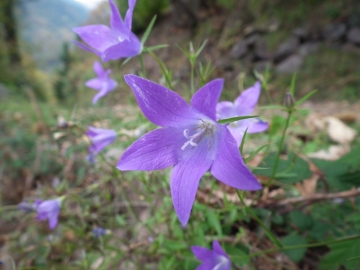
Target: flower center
x,y
203,129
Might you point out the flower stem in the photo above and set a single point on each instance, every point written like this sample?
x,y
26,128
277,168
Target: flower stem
x,y
279,149
267,230
192,89
143,70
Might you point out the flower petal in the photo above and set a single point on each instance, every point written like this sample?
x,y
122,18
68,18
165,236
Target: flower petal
x,y
155,150
129,13
224,109
53,220
257,126
202,253
100,72
94,83
86,48
99,95
229,167
186,176
246,102
206,98
126,48
160,105
218,249
116,22
98,36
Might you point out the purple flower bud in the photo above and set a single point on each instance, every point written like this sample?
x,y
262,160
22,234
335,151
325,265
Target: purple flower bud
x,y
212,259
100,138
49,210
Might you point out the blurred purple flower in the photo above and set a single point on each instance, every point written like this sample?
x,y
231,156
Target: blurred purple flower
x,y
244,105
215,259
25,206
100,138
98,231
49,210
190,140
103,83
111,43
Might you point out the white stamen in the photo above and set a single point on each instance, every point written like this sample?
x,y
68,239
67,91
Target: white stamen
x,y
205,128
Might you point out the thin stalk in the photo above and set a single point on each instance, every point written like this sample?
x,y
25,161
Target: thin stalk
x,y
192,78
280,149
267,230
142,65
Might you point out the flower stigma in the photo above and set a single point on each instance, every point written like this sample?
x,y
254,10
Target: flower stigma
x,y
204,128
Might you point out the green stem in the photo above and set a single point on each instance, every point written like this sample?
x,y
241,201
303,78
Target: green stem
x,y
267,230
142,65
192,89
279,150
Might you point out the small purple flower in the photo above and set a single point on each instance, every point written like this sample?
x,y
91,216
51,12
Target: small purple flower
x,y
111,43
244,105
26,207
215,259
49,210
100,138
103,83
98,231
190,139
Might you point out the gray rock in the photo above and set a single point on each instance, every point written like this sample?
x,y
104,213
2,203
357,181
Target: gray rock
x,y
309,48
252,39
354,35
286,49
261,51
239,50
290,64
261,66
335,31
301,33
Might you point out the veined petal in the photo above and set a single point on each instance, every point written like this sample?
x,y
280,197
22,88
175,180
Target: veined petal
x,y
202,253
160,105
129,13
94,83
100,72
230,168
224,109
237,133
186,176
116,22
246,102
98,36
155,150
218,249
206,98
126,48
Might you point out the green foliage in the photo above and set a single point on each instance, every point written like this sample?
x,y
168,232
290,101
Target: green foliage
x,y
294,240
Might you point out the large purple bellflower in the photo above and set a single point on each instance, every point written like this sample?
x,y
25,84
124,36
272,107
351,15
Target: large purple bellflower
x,y
103,83
111,43
215,259
100,138
244,105
189,139
49,210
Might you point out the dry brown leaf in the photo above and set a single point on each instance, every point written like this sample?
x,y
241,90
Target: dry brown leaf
x,y
334,152
338,131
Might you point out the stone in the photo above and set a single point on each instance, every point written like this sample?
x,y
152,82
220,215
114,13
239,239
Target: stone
x,y
309,48
335,31
252,39
239,50
354,35
261,51
262,66
301,33
286,49
290,64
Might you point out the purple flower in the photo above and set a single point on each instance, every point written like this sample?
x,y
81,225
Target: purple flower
x,y
103,83
100,138
26,207
98,231
215,259
189,139
49,210
111,43
244,105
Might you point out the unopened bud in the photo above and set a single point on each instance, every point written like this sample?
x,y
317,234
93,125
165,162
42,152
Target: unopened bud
x,y
289,100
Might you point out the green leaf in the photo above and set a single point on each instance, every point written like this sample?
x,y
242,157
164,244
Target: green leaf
x,y
120,220
237,254
241,148
174,245
148,30
295,255
301,221
290,170
304,98
153,48
234,119
253,154
272,107
214,221
340,254
201,47
292,86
